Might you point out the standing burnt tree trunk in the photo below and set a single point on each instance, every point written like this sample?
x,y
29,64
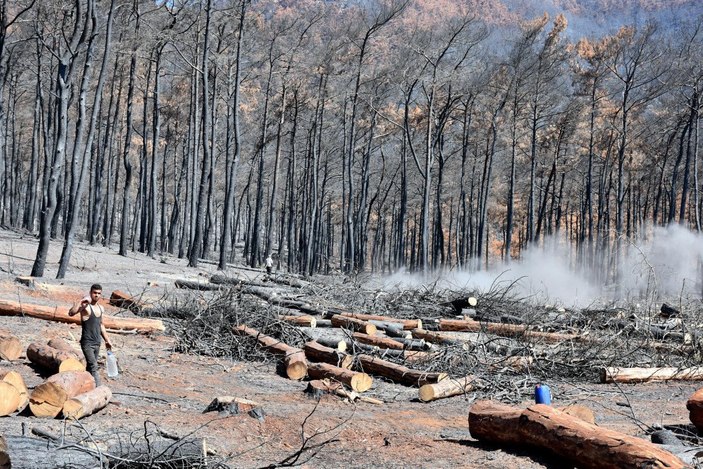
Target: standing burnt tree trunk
x,y
78,23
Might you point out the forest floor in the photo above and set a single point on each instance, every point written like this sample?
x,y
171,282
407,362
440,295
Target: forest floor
x,y
160,387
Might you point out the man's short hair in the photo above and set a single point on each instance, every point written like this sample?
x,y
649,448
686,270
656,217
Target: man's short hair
x,y
96,286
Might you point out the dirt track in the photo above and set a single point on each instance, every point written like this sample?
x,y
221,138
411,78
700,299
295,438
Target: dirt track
x,y
172,389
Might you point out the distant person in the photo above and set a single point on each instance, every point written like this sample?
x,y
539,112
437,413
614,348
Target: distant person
x,y
92,329
269,264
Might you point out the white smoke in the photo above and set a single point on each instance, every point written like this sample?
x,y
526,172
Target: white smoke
x,y
665,263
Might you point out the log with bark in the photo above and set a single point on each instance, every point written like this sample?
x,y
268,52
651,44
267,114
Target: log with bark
x,y
231,405
447,388
47,399
391,329
695,409
438,338
408,324
548,429
9,398
53,360
641,375
15,379
60,344
332,338
87,403
28,452
60,314
293,358
125,301
316,352
198,286
304,321
353,324
397,373
10,346
505,330
378,341
358,382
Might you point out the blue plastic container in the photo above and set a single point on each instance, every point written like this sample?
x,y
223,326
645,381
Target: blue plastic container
x,y
543,395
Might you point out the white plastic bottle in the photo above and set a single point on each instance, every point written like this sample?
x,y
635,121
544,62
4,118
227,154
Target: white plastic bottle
x,y
112,371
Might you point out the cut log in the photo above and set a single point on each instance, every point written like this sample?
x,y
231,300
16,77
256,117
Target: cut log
x,y
446,388
9,398
293,358
359,382
317,387
378,341
317,352
231,404
695,409
125,301
353,324
408,324
548,429
397,373
47,399
505,330
305,321
412,356
60,314
392,329
437,338
87,403
5,462
10,346
413,344
60,344
195,285
17,381
53,360
641,375
332,338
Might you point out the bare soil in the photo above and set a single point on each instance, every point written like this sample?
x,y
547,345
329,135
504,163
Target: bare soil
x,y
171,390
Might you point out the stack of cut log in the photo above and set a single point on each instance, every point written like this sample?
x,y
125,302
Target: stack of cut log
x,y
71,393
56,356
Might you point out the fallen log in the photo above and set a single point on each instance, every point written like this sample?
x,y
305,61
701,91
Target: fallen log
x,y
60,314
123,300
332,338
10,346
9,398
408,324
413,344
60,344
293,358
26,452
438,338
47,399
53,360
695,409
198,286
412,356
353,324
397,373
317,352
15,379
504,330
641,375
548,429
305,321
446,388
358,382
87,403
378,341
392,329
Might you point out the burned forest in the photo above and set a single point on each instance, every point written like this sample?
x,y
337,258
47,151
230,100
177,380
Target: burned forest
x,y
373,233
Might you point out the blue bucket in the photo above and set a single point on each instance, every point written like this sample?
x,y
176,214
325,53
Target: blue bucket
x,y
543,395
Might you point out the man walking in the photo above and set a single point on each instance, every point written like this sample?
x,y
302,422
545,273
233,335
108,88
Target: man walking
x,y
92,329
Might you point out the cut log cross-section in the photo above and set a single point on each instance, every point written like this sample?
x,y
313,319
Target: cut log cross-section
x,y
60,314
359,382
353,324
48,398
52,359
641,375
548,429
87,403
293,358
446,388
397,373
15,379
10,346
9,398
317,352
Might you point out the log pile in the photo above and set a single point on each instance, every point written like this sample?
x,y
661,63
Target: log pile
x,y
52,359
48,399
